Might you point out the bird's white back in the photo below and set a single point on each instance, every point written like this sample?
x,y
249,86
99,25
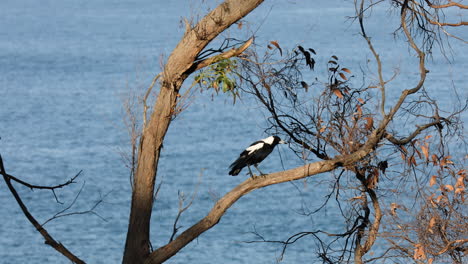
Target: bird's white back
x,y
255,147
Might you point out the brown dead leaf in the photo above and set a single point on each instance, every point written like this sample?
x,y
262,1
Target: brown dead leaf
x,y
275,43
460,182
412,161
359,111
433,180
417,152
343,76
439,198
449,187
338,93
459,190
346,70
370,123
425,151
431,225
419,252
404,149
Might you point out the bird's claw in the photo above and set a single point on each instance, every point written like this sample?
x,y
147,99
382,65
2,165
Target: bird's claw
x,y
254,176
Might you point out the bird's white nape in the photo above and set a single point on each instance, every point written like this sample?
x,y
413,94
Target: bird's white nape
x,y
269,140
255,147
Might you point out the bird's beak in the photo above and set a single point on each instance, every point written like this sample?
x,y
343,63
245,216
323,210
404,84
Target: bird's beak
x,y
283,142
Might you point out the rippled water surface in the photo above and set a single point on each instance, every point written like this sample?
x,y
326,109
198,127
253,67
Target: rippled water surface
x,y
67,66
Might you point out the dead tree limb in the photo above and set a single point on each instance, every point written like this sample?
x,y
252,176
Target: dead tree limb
x,y
49,240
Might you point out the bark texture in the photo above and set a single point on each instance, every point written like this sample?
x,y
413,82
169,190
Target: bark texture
x,y
180,64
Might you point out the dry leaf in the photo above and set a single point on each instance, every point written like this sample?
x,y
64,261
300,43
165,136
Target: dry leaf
x,y
417,152
335,57
433,180
275,43
346,70
370,123
459,190
359,111
449,187
404,149
419,252
361,100
425,150
431,225
439,198
460,182
338,93
343,76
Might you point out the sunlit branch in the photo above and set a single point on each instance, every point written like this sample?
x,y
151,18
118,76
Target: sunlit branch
x,y
376,56
225,55
449,4
145,98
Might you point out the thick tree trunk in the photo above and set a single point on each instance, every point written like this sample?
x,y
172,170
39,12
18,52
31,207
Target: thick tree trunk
x,y
180,64
137,244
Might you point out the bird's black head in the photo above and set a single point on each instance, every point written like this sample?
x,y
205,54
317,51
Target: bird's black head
x,y
277,140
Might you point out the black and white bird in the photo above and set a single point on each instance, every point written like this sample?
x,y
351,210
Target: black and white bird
x,y
255,154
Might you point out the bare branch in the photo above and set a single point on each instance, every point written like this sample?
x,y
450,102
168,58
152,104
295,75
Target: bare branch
x,y
49,240
213,217
413,135
183,208
225,55
377,59
62,213
145,98
449,4
44,187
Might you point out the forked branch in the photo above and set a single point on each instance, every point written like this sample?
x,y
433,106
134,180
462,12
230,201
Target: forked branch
x,y
49,240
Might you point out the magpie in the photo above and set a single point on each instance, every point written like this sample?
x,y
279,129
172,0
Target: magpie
x,y
255,154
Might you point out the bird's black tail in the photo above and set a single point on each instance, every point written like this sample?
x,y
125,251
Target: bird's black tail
x,y
234,171
237,166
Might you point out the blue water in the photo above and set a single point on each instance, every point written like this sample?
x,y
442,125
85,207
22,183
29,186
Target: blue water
x,y
67,66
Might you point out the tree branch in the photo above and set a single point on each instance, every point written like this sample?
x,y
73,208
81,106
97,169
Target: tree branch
x,y
376,56
450,4
49,240
225,55
163,253
407,139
